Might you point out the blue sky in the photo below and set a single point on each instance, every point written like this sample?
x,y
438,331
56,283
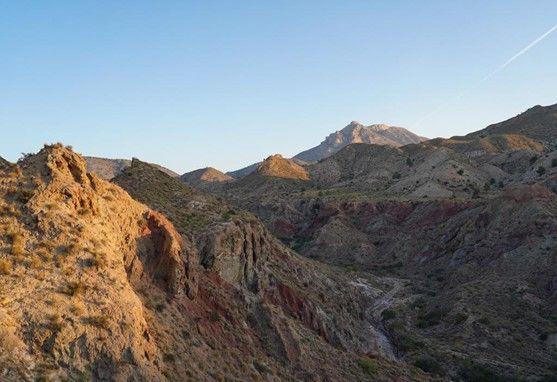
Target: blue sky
x,y
190,84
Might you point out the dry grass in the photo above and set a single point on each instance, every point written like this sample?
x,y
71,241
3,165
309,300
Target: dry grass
x,y
5,266
35,262
100,321
73,288
18,244
77,308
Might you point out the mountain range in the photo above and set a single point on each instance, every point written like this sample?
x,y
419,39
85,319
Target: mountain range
x,y
372,259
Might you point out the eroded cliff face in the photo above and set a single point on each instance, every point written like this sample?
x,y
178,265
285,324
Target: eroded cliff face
x,y
73,249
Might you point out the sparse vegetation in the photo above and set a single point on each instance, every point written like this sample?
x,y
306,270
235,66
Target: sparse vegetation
x,y
472,372
18,244
368,365
388,314
533,159
432,318
227,216
429,365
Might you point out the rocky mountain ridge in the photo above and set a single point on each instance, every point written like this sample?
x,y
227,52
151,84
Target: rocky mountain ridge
x,y
355,132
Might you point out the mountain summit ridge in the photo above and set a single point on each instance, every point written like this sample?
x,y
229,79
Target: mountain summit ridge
x,y
356,132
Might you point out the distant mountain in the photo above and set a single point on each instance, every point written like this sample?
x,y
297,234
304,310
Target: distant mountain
x,y
205,176
109,168
243,171
356,132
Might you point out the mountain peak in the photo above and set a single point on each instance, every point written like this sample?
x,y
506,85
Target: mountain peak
x,y
356,132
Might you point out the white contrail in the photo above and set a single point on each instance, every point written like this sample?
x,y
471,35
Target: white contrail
x,y
530,46
490,75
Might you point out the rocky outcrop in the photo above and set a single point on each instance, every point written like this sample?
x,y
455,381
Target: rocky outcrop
x,y
80,249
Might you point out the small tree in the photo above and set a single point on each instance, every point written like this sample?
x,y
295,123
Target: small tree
x,y
541,170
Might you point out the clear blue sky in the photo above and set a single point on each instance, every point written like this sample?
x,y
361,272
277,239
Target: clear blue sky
x,y
190,84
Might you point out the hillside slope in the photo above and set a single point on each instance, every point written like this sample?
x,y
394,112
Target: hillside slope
x,y
296,312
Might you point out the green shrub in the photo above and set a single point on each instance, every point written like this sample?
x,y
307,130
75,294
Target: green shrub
x,y
554,162
396,175
460,318
540,170
432,318
460,172
472,372
429,365
388,314
226,216
368,365
533,159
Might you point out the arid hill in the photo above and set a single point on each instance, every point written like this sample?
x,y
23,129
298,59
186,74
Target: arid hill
x,y
294,315
537,123
205,177
109,168
278,167
95,285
